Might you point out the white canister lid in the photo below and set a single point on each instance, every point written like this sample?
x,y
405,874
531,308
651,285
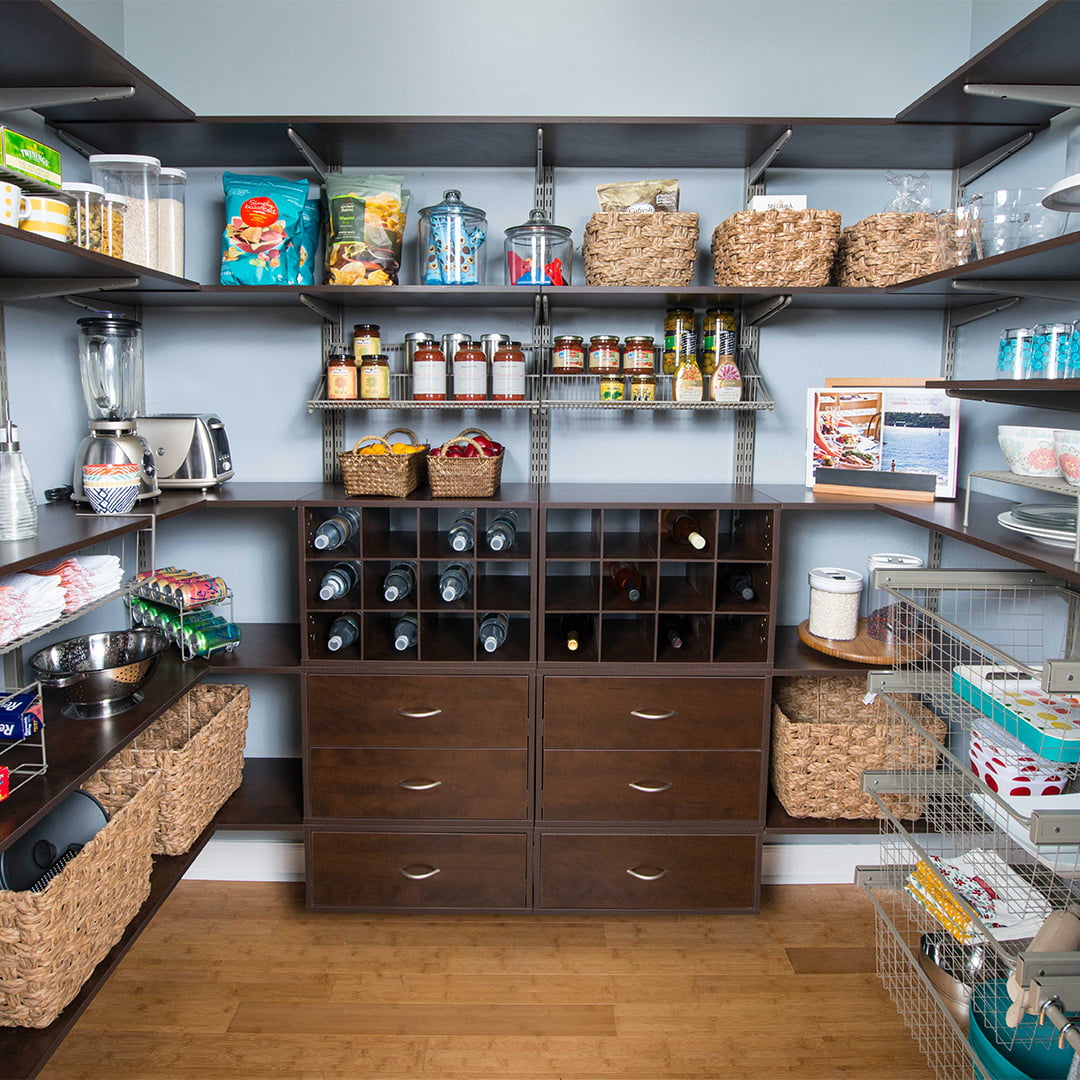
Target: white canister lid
x,y
834,579
93,189
893,561
107,160
121,199
170,173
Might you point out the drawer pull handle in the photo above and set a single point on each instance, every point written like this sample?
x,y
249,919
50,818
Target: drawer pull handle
x,y
651,789
419,872
648,873
418,714
641,714
418,785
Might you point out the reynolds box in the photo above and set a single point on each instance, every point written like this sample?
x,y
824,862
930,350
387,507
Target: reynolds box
x,y
20,716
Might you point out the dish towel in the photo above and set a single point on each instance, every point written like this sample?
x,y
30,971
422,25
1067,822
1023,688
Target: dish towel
x,y
85,578
27,603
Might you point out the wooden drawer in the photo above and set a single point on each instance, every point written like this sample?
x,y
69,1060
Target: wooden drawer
x,y
676,714
648,872
651,785
396,870
466,784
425,710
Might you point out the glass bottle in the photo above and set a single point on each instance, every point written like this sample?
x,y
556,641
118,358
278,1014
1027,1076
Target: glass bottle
x,y
627,580
335,531
18,510
340,375
429,373
673,632
508,373
470,372
462,534
339,580
738,582
344,630
494,628
575,631
405,633
454,581
502,530
374,377
684,528
688,384
399,582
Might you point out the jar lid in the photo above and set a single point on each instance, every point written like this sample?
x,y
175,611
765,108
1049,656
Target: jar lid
x,y
886,560
365,326
834,579
508,344
539,225
340,352
121,199
107,160
92,189
172,174
419,335
451,206
106,321
378,357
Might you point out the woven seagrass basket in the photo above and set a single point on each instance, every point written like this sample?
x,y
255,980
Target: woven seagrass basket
x,y
824,737
884,249
623,248
51,941
197,746
756,248
382,474
464,478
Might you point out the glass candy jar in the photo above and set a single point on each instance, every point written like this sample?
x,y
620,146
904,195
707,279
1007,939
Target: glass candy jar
x,y
538,252
452,239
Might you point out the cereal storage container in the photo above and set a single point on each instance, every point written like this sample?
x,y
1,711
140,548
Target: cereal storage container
x,y
134,176
834,603
171,186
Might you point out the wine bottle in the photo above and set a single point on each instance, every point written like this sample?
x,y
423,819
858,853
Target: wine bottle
x,y
494,628
399,582
405,632
333,532
344,630
454,581
627,580
684,528
462,532
502,531
339,580
738,582
673,632
574,631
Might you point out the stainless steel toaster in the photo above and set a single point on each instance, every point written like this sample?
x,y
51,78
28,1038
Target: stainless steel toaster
x,y
191,449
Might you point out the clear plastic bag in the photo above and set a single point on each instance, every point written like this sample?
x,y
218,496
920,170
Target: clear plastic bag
x,y
912,193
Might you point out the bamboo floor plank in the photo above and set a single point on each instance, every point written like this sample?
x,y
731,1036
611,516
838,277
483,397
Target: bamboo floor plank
x,y
237,981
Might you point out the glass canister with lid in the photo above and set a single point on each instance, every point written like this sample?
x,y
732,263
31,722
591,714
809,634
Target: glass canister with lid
x,y
886,620
452,236
135,176
538,252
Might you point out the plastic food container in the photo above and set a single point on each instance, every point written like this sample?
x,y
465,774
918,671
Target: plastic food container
x,y
172,184
834,603
113,213
452,237
134,176
885,620
538,252
85,221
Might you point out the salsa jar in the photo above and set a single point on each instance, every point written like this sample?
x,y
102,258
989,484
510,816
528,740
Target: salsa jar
x,y
508,373
643,387
639,355
680,338
568,355
366,341
340,375
374,372
604,355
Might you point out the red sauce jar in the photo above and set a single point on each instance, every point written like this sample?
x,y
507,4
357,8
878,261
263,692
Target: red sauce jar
x,y
508,373
605,357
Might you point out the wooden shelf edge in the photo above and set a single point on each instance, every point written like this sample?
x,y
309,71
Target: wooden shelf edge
x,y
270,797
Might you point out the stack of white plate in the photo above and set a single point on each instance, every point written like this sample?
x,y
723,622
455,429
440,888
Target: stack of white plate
x,y
1047,523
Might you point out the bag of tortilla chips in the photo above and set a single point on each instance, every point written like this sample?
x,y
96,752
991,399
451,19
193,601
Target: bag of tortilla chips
x,y
262,222
365,224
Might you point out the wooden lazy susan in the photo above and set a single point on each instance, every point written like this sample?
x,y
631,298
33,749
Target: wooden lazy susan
x,y
863,649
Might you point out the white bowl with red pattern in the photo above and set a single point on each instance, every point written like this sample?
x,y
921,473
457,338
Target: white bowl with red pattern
x,y
1029,450
1067,448
1008,767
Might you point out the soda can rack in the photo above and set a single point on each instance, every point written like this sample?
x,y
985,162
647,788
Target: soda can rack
x,y
194,627
22,737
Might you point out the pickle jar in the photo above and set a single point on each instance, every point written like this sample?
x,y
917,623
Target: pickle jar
x,y
568,355
612,388
680,338
85,218
639,355
538,252
719,336
604,355
452,237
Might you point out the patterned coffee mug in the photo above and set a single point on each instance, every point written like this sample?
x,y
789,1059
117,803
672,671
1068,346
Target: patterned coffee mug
x,y
10,197
44,216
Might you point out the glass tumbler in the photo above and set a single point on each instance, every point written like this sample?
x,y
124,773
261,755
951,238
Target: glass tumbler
x,y
1049,354
1014,343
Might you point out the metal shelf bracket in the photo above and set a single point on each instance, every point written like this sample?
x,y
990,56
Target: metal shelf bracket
x,y
761,312
310,155
1068,97
43,97
965,315
966,174
321,308
756,171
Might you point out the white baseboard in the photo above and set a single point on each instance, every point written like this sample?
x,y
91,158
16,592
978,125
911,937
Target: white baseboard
x,y
283,860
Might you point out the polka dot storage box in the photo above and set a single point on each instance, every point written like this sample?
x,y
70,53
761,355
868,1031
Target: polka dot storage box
x,y
1008,767
1049,724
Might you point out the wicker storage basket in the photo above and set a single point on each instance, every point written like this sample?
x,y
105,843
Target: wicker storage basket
x,y
622,248
884,249
51,941
756,248
464,478
381,474
824,736
197,746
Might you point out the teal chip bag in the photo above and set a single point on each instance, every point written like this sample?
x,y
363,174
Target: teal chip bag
x,y
262,229
303,251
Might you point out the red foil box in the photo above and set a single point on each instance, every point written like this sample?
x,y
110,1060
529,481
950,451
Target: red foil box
x,y
3,782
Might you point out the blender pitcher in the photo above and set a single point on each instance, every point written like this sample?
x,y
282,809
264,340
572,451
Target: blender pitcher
x,y
111,366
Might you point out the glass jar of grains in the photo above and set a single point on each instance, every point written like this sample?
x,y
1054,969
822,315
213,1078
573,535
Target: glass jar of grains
x,y
604,355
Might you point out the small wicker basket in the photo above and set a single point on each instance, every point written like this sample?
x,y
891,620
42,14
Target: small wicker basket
x,y
759,248
51,941
197,746
824,737
885,249
623,248
464,478
382,474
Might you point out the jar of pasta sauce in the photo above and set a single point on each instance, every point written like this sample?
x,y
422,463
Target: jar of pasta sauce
x,y
568,355
429,373
639,356
604,355
508,373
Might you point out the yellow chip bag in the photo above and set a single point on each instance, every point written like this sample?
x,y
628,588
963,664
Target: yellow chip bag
x,y
365,224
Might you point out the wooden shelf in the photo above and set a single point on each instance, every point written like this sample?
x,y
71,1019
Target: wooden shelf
x,y
264,649
792,657
778,822
1060,394
269,798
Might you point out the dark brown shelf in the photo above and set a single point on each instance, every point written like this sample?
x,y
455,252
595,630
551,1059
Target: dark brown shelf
x,y
779,822
793,657
1060,394
269,798
264,649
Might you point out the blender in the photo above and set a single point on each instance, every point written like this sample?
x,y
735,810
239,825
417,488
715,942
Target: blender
x,y
111,366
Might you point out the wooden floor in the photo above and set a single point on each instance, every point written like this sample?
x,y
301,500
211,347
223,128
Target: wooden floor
x,y
238,981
